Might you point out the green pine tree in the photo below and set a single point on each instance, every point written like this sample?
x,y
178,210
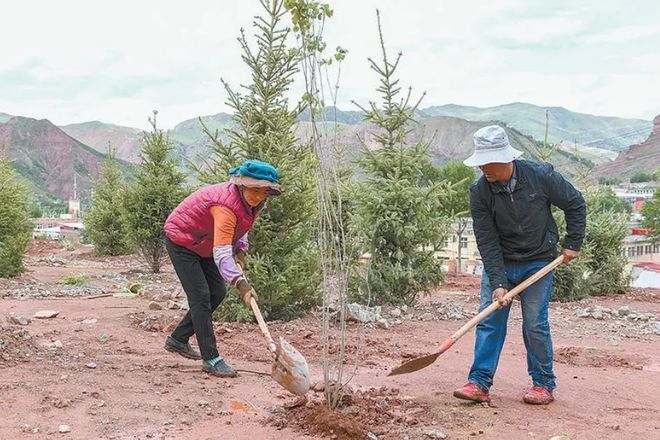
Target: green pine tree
x,y
15,227
601,268
157,190
399,210
105,226
651,213
284,262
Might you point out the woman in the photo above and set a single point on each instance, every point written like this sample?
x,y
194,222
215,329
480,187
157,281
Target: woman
x,y
206,235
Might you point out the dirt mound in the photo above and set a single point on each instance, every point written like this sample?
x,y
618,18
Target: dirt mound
x,y
16,345
593,357
380,411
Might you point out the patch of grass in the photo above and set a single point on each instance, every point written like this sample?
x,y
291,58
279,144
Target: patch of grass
x,y
76,279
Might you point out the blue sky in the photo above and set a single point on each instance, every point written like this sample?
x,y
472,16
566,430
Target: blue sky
x,y
74,61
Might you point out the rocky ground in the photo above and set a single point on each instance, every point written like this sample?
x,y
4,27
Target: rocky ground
x,y
84,362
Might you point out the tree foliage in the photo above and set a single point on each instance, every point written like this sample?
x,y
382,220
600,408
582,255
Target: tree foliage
x,y
284,262
15,227
601,268
651,213
157,190
399,216
105,224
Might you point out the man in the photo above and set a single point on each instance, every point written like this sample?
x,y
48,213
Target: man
x,y
517,236
206,237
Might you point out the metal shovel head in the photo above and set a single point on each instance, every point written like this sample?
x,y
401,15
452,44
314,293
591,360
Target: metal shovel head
x,y
290,369
415,364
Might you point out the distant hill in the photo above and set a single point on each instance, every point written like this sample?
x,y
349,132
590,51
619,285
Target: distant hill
x,y
642,157
4,117
452,140
48,158
606,132
332,113
98,134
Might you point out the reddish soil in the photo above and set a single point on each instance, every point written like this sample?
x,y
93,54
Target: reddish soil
x,y
111,377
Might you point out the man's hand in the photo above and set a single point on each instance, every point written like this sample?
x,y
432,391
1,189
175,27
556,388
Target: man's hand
x,y
569,254
241,259
498,295
246,291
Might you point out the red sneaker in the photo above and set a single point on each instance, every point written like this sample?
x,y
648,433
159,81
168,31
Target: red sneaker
x,y
473,392
538,396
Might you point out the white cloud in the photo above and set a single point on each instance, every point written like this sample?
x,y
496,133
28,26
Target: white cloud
x,y
77,60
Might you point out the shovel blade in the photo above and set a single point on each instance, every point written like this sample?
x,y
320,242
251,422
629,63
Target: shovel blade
x,y
290,369
415,364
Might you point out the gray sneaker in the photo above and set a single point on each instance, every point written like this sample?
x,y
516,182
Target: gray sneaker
x,y
185,350
220,369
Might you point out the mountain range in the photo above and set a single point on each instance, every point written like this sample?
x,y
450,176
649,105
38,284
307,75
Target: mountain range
x,y
607,132
48,156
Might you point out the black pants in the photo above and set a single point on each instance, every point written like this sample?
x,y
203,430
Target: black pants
x,y
205,290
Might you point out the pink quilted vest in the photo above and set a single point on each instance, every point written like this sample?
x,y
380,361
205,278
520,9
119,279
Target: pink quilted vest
x,y
191,225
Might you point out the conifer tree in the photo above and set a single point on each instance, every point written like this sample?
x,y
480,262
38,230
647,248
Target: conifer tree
x,y
15,224
157,190
284,263
105,226
399,209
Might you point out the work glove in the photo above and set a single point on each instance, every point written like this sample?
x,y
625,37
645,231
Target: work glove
x,y
240,258
246,291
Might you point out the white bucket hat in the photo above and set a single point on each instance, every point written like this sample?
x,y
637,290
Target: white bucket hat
x,y
491,145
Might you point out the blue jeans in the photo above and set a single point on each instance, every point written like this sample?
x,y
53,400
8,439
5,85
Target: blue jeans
x,y
491,332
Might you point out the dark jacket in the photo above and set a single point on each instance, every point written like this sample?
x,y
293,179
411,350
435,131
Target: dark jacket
x,y
519,226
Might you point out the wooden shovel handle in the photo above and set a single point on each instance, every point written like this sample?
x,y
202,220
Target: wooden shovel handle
x,y
496,305
260,320
262,324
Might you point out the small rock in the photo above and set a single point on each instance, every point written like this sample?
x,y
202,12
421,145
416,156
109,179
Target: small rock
x,y
404,308
20,320
319,387
645,316
172,305
581,313
153,305
203,403
560,437
101,404
372,436
46,314
435,433
90,321
395,313
91,365
426,317
64,429
383,323
359,313
598,314
168,422
656,328
351,410
58,344
624,311
224,412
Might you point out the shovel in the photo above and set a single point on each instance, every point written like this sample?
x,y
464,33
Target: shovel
x,y
425,361
290,368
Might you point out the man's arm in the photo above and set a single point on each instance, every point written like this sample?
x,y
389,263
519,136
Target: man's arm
x,y
488,241
564,195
